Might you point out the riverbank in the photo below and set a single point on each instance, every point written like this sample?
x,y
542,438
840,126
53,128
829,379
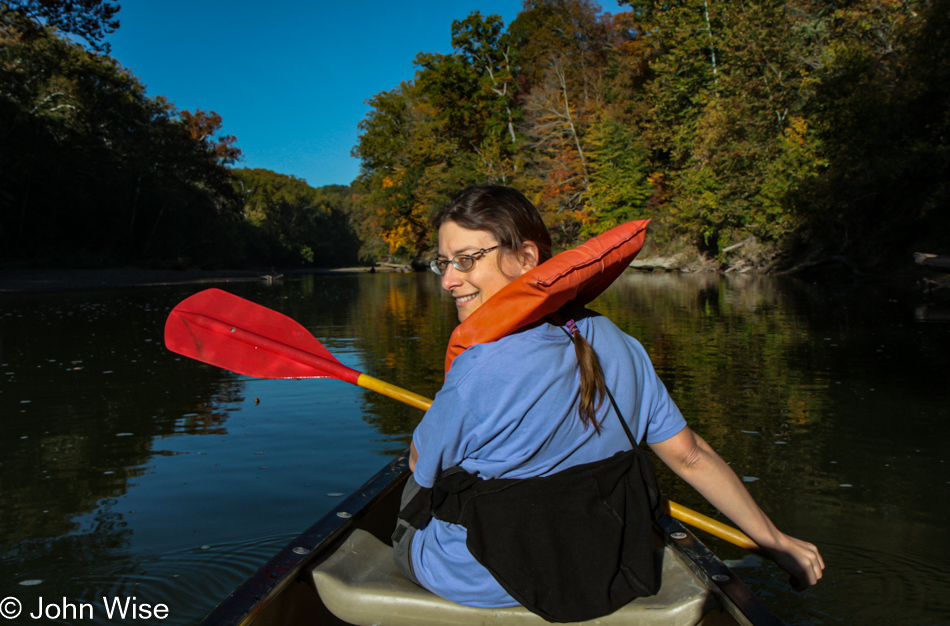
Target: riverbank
x,y
53,280
925,282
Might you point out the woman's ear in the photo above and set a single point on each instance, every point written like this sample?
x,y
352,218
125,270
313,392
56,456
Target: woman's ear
x,y
530,254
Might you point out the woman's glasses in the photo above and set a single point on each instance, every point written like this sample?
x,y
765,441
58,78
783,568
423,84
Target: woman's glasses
x,y
462,262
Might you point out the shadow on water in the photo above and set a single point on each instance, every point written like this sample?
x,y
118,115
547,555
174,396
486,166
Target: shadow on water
x,y
126,470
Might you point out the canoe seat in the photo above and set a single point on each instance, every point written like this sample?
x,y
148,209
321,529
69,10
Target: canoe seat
x,y
360,584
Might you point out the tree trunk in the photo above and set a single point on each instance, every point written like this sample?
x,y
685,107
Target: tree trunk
x,y
23,205
135,202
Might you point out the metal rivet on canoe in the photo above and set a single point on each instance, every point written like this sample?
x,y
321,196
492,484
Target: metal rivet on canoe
x,y
678,535
300,550
233,329
343,514
720,578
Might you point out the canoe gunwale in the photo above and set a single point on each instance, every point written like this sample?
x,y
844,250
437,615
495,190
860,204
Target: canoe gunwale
x,y
731,591
306,550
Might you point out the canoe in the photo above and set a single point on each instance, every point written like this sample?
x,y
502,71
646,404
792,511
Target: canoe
x,y
340,571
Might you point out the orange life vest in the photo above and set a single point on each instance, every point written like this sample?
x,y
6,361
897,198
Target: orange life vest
x,y
579,275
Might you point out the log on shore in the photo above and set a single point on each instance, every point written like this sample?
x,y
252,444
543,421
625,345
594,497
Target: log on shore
x,y
932,314
932,261
660,263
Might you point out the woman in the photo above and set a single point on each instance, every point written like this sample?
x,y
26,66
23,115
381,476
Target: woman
x,y
529,406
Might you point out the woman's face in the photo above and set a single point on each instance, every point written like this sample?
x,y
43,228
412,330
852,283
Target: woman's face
x,y
492,271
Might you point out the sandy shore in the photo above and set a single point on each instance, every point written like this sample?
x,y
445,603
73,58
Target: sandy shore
x,y
45,280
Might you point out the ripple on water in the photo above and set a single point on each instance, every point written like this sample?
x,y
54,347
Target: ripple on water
x,y
864,585
190,582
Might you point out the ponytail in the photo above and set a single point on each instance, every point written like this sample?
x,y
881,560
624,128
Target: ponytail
x,y
593,387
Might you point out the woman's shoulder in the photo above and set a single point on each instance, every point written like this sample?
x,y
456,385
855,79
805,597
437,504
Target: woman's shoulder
x,y
601,324
512,352
605,335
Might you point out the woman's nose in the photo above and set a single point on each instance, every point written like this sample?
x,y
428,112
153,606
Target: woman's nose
x,y
451,278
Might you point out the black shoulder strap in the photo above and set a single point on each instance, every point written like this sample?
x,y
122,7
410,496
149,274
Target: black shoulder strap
x,y
623,422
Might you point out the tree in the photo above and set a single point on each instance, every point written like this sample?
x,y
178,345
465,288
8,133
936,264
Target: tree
x,y
718,91
485,46
620,186
91,20
294,223
721,123
202,126
425,140
576,31
92,168
880,110
395,146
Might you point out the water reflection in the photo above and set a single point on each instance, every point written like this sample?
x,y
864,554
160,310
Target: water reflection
x,y
831,403
83,400
125,469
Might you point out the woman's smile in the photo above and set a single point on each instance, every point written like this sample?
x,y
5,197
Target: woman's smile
x,y
494,268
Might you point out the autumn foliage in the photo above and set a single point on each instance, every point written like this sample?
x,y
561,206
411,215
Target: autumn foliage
x,y
808,127
752,133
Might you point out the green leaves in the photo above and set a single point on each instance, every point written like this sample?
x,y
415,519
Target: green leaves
x,y
783,122
295,224
620,187
90,19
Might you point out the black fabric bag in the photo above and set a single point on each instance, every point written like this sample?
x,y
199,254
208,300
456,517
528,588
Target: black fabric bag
x,y
572,546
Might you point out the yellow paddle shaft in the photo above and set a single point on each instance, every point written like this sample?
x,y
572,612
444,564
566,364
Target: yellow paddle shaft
x,y
711,526
676,511
392,391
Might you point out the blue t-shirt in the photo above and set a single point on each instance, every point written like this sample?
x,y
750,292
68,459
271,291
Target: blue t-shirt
x,y
508,409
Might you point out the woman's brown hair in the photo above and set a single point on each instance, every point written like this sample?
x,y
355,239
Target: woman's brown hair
x,y
593,386
502,211
512,219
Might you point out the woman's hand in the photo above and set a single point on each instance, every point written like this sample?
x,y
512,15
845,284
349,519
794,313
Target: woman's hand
x,y
800,559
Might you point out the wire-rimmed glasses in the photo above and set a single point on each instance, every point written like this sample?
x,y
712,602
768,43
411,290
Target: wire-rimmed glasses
x,y
461,262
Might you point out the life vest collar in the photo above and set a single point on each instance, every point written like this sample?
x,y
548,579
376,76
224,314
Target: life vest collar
x,y
578,275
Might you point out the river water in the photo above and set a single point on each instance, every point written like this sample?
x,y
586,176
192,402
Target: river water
x,y
130,473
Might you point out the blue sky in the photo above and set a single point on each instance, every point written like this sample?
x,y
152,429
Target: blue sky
x,y
289,77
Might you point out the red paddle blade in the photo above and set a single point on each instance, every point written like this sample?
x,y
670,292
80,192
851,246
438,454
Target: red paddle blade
x,y
221,329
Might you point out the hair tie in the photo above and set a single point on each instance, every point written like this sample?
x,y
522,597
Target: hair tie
x,y
572,327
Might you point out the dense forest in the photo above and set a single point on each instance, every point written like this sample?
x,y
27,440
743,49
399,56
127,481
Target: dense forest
x,y
754,134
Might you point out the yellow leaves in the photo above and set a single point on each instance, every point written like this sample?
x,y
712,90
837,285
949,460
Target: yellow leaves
x,y
795,133
801,147
255,215
388,182
399,237
404,236
405,220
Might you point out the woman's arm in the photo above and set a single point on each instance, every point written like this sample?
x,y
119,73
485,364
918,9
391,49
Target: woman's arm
x,y
687,454
413,456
